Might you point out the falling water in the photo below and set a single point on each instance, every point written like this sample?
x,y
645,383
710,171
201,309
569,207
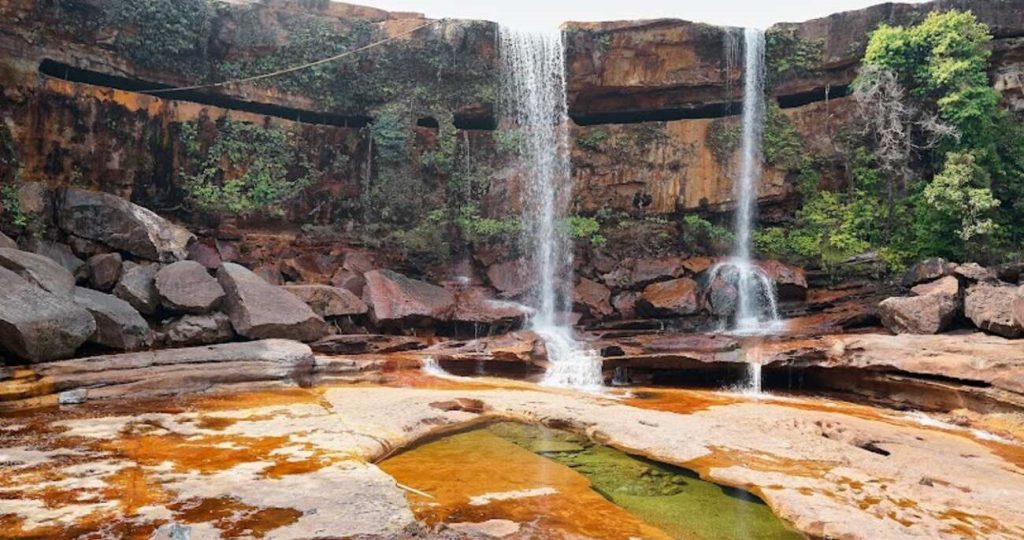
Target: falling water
x,y
534,101
756,311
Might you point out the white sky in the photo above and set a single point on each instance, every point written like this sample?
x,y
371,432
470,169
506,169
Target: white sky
x,y
548,14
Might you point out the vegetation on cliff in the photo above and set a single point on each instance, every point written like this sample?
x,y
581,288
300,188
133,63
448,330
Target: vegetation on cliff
x,y
936,168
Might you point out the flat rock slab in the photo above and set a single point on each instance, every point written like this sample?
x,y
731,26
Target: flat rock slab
x,y
259,310
118,325
187,287
366,344
38,326
397,299
39,270
328,301
192,330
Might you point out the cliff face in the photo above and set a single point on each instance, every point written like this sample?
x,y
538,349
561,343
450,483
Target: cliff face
x,y
655,105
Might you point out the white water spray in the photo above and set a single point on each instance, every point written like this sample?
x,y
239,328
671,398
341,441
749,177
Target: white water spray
x,y
534,101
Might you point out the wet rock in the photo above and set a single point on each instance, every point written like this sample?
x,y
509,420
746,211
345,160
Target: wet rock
x,y
327,301
137,286
625,304
205,253
974,272
38,326
118,325
186,287
927,270
948,285
41,271
790,281
193,330
122,225
692,342
61,253
592,298
397,299
259,310
477,305
511,279
698,265
721,293
669,298
990,308
918,314
647,271
104,271
6,242
366,344
522,347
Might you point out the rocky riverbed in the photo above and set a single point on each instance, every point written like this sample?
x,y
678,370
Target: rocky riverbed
x,y
301,463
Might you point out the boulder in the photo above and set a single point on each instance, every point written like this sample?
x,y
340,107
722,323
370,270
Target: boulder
x,y
352,282
397,299
6,242
948,285
41,271
593,298
205,253
86,248
990,308
104,271
122,225
186,287
38,326
61,253
1018,306
647,271
478,305
269,273
790,281
309,268
927,270
193,330
698,265
1010,272
259,310
720,292
511,279
625,304
974,272
118,325
669,298
137,286
929,314
327,301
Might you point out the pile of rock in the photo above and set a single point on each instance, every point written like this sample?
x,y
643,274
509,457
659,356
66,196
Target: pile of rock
x,y
660,287
944,294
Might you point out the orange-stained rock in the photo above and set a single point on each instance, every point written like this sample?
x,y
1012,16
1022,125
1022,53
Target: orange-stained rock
x,y
397,299
669,298
790,281
510,278
593,298
647,271
918,314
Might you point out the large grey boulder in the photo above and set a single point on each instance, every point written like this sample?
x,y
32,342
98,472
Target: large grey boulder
x,y
327,301
137,286
990,308
122,225
928,314
397,299
118,325
41,271
38,326
187,287
192,330
259,310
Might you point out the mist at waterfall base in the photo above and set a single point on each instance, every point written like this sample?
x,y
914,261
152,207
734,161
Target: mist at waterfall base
x,y
534,102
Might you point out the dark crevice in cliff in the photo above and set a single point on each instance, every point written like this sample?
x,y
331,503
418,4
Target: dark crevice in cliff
x,y
710,110
52,68
800,99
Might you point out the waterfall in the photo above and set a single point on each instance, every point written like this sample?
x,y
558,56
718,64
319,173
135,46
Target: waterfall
x,y
534,102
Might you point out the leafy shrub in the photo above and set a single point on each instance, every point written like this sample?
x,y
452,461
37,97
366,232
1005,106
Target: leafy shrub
x,y
163,34
247,169
580,227
592,140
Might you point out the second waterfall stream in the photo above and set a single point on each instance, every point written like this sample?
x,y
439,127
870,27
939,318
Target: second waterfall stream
x,y
534,103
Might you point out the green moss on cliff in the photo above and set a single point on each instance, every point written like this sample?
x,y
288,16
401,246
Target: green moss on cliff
x,y
163,34
788,55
